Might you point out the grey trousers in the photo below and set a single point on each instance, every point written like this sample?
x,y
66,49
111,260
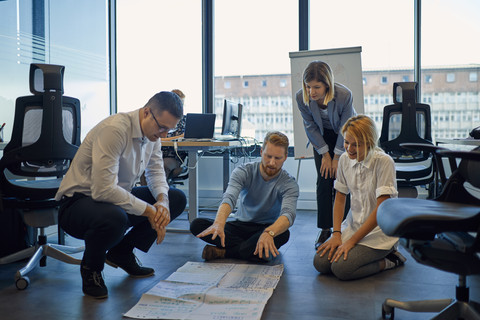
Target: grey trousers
x,y
362,261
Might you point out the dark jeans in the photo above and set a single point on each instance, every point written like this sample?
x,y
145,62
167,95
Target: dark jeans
x,y
103,225
325,190
240,237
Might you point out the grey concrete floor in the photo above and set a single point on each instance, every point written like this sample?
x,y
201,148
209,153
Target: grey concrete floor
x,y
55,290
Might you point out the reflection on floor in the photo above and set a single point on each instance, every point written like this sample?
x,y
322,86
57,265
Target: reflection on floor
x,y
55,291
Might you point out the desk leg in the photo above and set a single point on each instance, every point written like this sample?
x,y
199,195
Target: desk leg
x,y
192,185
226,169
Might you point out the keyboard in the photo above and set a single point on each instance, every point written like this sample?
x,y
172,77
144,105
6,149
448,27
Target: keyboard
x,y
192,139
225,138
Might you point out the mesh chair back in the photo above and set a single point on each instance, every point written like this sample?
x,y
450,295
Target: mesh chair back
x,y
406,121
45,138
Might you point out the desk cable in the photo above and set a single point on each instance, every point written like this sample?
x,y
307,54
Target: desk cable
x,y
184,161
199,156
244,153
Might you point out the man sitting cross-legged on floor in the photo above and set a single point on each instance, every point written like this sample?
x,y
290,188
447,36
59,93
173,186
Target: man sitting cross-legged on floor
x,y
267,208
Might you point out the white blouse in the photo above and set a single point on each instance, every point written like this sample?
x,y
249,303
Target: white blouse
x,y
366,181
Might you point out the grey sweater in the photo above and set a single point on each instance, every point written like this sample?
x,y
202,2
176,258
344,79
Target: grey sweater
x,y
261,201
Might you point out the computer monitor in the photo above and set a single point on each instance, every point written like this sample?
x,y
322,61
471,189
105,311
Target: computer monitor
x,y
232,119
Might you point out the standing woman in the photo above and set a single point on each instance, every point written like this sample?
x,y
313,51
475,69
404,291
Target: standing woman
x,y
325,107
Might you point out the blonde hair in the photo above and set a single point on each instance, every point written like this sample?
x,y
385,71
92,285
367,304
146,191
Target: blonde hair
x,y
321,72
362,128
179,93
278,139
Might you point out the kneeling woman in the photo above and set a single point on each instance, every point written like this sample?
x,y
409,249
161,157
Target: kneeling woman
x,y
357,247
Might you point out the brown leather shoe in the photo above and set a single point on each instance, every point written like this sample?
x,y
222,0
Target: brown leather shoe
x,y
213,252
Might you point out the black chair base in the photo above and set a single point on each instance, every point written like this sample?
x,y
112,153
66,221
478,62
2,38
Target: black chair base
x,y
449,309
37,255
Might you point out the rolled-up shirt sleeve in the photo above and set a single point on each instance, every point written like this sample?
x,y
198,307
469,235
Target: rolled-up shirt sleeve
x,y
340,183
386,178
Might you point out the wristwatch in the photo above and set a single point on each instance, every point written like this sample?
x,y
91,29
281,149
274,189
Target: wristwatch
x,y
270,232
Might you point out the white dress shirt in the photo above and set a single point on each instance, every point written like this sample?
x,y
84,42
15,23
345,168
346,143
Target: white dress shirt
x,y
366,181
111,159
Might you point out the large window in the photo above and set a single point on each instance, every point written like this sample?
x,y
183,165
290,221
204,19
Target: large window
x,y
451,55
68,33
159,48
384,30
386,35
252,44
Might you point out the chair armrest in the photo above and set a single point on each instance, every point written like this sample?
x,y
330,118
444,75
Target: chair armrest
x,y
432,149
467,169
469,155
421,147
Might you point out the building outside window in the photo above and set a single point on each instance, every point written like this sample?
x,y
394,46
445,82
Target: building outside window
x,y
450,77
450,84
243,56
473,77
253,59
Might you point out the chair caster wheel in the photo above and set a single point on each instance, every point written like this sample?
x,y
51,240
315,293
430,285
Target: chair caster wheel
x,y
388,312
22,283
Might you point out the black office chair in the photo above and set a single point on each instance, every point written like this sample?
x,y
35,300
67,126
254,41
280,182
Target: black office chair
x,y
407,121
178,175
443,233
45,138
441,175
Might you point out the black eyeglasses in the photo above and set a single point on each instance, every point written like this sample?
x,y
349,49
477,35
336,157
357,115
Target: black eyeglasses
x,y
160,127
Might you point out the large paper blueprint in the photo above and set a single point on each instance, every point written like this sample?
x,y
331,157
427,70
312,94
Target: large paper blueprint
x,y
200,290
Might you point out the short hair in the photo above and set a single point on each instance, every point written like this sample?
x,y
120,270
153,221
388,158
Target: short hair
x,y
362,128
321,72
278,139
167,101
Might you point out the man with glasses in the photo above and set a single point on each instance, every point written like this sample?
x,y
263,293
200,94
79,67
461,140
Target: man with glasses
x,y
100,201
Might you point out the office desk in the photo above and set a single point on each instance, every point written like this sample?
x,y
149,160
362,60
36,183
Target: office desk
x,y
193,147
463,142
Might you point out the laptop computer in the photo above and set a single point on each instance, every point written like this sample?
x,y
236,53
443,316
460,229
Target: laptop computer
x,y
199,126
